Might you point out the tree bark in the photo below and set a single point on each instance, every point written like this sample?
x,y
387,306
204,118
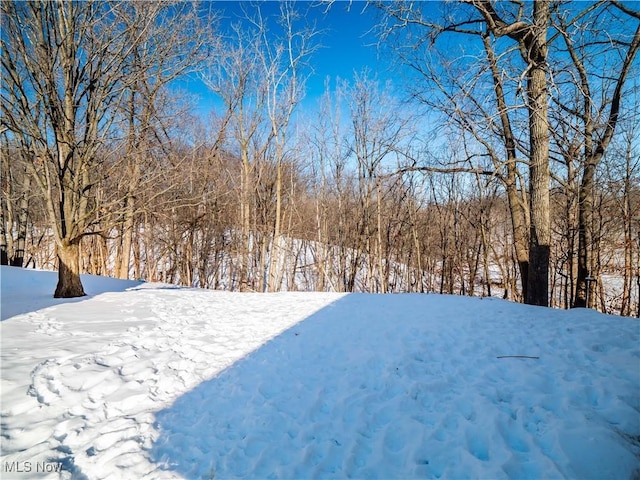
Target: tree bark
x,y
274,260
124,261
539,177
69,284
585,214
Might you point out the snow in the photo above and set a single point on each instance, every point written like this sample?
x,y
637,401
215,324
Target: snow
x,y
151,381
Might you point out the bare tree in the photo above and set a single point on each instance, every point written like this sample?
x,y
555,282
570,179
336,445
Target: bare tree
x,y
596,120
260,77
531,37
14,207
233,75
283,60
376,133
64,67
529,32
620,178
532,30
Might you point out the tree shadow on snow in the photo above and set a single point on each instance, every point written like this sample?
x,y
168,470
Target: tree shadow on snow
x,y
357,389
299,406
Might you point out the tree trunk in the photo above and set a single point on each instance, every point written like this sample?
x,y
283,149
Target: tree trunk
x,y
625,308
6,212
539,177
517,210
124,262
274,260
69,284
245,212
584,234
383,278
4,247
127,239
638,297
593,155
417,246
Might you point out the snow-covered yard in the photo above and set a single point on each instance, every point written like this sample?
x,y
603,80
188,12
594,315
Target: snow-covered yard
x,y
151,381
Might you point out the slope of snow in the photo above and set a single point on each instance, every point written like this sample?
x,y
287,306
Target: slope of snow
x,y
149,381
24,290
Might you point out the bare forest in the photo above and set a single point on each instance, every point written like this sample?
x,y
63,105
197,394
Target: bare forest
x,y
502,159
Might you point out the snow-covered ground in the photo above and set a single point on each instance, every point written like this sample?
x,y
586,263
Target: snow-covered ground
x,y
151,381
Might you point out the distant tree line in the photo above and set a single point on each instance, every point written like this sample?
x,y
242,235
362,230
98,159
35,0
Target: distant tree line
x,y
509,166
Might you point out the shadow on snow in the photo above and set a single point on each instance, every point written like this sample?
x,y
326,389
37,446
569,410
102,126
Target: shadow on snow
x,y
309,402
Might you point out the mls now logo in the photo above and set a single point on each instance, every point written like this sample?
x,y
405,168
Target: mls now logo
x,y
28,467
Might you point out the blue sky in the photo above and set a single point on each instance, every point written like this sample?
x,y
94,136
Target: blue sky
x,y
347,45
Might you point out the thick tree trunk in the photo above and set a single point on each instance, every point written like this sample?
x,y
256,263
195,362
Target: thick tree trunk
x,y
539,177
69,284
538,293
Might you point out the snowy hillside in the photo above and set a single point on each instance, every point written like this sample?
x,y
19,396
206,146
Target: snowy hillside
x,y
152,381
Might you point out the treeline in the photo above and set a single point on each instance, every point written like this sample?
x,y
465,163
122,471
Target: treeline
x,y
107,170
342,231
